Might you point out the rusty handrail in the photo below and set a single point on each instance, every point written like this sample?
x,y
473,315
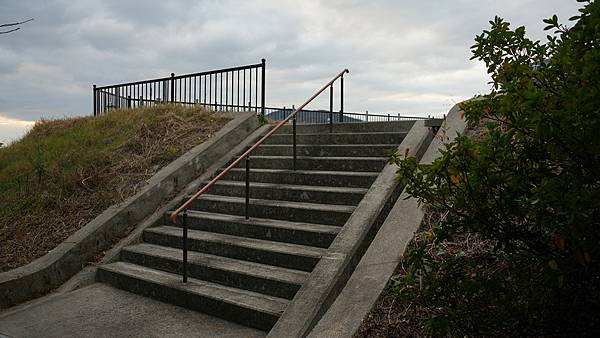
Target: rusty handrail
x,y
185,205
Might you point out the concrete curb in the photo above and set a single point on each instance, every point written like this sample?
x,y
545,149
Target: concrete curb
x,y
344,317
333,270
68,258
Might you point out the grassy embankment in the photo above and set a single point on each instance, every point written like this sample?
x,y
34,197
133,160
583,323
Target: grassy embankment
x,y
65,172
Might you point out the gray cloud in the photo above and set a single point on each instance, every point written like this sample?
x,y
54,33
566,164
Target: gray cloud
x,y
404,56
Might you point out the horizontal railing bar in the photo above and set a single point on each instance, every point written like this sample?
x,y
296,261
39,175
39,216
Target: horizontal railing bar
x,y
240,158
210,72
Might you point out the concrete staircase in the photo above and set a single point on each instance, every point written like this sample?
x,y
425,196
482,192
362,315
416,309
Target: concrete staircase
x,y
248,271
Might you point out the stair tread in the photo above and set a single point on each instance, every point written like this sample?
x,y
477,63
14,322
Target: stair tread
x,y
294,186
311,172
243,298
351,158
268,222
347,133
247,242
391,145
223,263
278,203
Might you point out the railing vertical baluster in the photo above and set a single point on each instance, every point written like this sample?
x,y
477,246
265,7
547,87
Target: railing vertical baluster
x,y
388,117
221,93
226,88
331,108
367,115
129,101
172,87
294,140
262,91
185,247
244,91
247,187
238,91
250,90
342,98
256,91
95,101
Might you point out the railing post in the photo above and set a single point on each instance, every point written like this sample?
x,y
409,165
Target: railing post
x,y
367,115
262,90
185,253
247,211
95,101
294,140
342,98
128,101
172,87
331,108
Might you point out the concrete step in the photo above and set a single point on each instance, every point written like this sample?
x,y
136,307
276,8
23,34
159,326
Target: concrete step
x,y
318,235
286,255
350,127
332,214
318,163
266,279
289,192
326,150
245,307
304,177
339,138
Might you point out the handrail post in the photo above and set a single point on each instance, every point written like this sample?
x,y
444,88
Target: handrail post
x,y
262,90
95,101
342,98
185,253
294,140
247,213
172,87
129,101
331,108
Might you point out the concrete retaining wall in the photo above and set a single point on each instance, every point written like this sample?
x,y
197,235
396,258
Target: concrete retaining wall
x,y
56,267
344,317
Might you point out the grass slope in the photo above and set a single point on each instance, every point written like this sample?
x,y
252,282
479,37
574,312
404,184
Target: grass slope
x,y
66,172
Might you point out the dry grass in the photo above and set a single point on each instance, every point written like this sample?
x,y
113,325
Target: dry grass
x,y
66,172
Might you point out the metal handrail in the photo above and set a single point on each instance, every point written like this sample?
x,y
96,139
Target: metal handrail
x,y
185,205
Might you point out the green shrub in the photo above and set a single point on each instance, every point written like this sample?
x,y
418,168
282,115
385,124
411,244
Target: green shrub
x,y
527,189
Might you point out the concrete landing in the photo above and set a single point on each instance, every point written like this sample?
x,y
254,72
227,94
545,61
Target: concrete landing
x,y
103,311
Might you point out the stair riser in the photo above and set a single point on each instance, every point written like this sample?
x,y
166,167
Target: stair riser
x,y
229,278
215,307
310,196
393,138
304,179
352,127
340,151
272,211
343,164
281,259
318,239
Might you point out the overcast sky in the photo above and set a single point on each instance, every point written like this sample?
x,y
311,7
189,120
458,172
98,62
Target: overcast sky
x,y
410,57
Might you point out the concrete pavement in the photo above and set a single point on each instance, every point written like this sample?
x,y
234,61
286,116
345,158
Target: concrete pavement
x,y
99,310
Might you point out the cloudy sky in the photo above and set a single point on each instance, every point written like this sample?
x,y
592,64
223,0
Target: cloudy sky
x,y
407,56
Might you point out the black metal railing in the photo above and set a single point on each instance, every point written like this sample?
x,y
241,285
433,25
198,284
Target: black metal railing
x,y
307,116
229,89
246,157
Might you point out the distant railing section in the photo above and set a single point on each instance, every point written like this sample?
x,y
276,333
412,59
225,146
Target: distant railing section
x,y
230,89
307,116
